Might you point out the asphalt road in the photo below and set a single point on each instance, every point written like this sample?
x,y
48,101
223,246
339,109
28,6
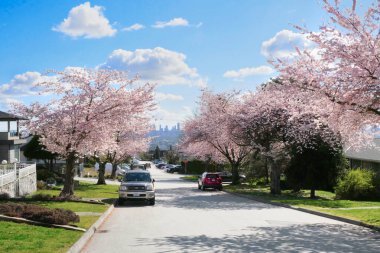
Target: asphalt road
x,y
186,219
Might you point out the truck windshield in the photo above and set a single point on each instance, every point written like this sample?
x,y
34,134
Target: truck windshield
x,y
138,177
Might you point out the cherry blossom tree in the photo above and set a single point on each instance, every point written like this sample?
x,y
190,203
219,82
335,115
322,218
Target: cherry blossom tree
x,y
127,143
344,68
88,108
208,134
273,119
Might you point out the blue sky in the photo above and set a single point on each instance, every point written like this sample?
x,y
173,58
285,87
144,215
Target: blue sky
x,y
182,46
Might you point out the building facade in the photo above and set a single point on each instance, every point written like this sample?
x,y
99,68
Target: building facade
x,y
365,158
10,141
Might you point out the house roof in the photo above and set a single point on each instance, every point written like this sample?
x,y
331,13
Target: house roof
x,y
8,116
367,154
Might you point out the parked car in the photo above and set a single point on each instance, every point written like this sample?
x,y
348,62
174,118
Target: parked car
x,y
227,176
137,185
168,167
161,165
138,167
210,180
122,169
176,168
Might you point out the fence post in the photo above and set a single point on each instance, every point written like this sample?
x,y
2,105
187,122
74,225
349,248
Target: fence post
x,y
17,191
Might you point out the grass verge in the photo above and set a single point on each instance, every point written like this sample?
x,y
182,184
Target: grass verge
x,y
28,238
22,238
193,178
324,203
87,190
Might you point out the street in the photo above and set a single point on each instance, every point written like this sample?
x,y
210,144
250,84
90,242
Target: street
x,y
186,219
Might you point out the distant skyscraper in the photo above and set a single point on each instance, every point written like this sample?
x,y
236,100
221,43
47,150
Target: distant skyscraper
x,y
178,127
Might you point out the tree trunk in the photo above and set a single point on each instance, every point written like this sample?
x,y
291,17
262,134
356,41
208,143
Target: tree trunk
x,y
68,187
114,169
275,173
312,193
235,173
102,169
50,166
266,172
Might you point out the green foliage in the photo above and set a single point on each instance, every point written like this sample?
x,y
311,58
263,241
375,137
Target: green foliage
x,y
357,184
316,167
172,157
256,168
4,196
156,153
198,166
145,156
34,150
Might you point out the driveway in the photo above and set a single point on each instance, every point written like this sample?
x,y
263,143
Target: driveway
x,y
186,219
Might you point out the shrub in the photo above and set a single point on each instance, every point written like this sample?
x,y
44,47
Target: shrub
x,y
39,213
4,196
41,185
41,196
357,184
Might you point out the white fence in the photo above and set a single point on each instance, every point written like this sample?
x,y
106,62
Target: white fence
x,y
18,179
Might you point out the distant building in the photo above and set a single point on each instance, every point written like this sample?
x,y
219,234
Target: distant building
x,y
165,137
10,141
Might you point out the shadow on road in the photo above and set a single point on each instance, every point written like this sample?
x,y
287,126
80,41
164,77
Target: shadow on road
x,y
192,198
296,238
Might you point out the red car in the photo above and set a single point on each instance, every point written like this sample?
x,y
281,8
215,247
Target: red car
x,y
210,180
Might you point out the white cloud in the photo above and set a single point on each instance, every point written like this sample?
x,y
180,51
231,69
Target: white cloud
x,y
86,21
134,27
244,72
168,96
157,65
173,22
24,84
6,101
172,117
283,44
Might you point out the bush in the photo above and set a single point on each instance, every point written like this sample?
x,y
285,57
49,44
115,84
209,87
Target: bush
x,y
4,196
41,185
41,196
39,213
357,184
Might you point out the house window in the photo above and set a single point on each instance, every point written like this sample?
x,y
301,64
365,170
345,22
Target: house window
x,y
3,126
13,128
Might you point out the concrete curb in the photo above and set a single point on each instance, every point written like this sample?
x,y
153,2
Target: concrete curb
x,y
330,216
79,245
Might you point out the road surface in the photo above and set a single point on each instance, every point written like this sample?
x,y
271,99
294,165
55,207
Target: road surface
x,y
186,219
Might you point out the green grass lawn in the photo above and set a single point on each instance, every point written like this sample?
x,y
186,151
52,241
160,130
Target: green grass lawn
x,y
28,238
193,178
88,190
16,237
368,216
324,202
85,221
